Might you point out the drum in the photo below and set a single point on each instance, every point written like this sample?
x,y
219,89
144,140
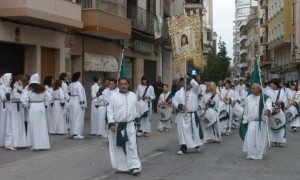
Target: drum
x,y
210,117
165,112
237,111
277,121
291,113
222,110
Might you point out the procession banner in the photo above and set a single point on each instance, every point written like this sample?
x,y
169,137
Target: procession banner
x,y
185,35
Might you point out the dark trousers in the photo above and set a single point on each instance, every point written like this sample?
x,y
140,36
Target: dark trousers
x,y
154,105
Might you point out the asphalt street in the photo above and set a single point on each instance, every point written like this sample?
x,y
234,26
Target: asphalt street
x,y
88,159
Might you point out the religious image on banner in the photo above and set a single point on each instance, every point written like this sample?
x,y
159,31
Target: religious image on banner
x,y
185,40
185,34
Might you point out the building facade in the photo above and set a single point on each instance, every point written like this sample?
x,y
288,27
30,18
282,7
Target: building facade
x,y
32,35
280,37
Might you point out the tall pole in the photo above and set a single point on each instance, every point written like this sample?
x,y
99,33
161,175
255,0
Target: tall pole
x,y
263,98
121,63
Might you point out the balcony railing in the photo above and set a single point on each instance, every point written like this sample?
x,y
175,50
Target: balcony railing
x,y
114,7
142,20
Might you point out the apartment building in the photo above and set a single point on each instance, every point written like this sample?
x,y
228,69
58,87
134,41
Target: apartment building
x,y
32,35
280,38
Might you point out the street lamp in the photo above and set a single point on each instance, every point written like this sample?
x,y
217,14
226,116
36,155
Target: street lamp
x,y
295,50
209,47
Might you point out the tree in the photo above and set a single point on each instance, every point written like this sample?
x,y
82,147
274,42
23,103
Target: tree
x,y
217,64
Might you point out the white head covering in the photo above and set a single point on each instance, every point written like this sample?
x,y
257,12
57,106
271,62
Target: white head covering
x,y
35,78
5,79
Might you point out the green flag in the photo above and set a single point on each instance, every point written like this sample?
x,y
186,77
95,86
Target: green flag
x,y
123,72
255,78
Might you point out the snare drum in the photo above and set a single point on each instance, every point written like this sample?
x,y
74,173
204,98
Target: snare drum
x,y
237,110
210,117
277,120
291,113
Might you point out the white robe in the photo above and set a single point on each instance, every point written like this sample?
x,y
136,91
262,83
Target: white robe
x,y
65,89
49,110
95,111
103,101
15,127
123,108
236,120
212,132
77,110
58,118
279,134
165,123
292,98
256,138
225,125
4,105
37,133
145,106
188,131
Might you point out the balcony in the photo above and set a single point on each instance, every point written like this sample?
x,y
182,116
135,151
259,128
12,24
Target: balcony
x,y
142,20
264,40
56,14
243,65
105,19
265,63
244,37
243,51
263,21
263,4
193,4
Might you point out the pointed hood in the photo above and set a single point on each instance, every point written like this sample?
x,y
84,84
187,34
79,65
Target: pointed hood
x,y
35,78
6,79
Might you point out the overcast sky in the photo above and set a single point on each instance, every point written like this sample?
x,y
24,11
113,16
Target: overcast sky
x,y
224,11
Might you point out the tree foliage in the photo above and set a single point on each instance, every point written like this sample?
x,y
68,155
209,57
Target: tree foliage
x,y
217,64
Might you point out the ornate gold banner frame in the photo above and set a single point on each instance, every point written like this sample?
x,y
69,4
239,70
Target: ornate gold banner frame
x,y
185,33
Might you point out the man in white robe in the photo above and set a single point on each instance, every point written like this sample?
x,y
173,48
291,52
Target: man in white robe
x,y
228,97
188,123
122,112
77,106
65,88
5,92
279,102
106,95
293,107
145,94
256,138
164,108
96,89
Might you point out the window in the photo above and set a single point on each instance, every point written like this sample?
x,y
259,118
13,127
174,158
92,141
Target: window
x,y
118,7
279,30
282,30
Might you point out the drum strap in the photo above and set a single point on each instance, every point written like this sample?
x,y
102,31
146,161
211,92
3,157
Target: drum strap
x,y
281,104
145,92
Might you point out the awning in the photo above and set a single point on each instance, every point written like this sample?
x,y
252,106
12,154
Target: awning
x,y
103,63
